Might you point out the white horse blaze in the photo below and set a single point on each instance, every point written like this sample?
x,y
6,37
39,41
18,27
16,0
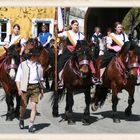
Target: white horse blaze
x,y
12,72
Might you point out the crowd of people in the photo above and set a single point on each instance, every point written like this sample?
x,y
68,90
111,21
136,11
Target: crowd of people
x,y
30,73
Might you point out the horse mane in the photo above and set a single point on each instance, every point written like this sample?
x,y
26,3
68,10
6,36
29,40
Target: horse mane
x,y
82,44
125,48
135,47
130,45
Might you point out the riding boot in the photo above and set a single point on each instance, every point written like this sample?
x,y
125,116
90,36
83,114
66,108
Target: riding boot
x,y
100,81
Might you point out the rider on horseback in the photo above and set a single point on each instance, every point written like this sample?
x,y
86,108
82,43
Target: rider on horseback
x,y
72,36
15,40
114,43
95,40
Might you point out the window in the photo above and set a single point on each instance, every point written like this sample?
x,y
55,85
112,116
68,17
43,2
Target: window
x,y
37,23
4,29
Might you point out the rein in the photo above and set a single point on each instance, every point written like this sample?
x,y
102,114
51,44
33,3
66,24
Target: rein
x,y
8,66
122,69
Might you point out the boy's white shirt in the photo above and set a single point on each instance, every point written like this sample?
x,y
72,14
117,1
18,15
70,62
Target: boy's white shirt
x,y
26,76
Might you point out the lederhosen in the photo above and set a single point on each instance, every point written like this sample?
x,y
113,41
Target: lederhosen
x,y
65,55
109,54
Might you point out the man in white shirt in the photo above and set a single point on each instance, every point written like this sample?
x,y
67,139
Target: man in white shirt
x,y
28,80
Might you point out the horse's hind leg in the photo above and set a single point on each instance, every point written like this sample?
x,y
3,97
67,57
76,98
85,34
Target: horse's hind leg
x,y
87,109
10,107
68,109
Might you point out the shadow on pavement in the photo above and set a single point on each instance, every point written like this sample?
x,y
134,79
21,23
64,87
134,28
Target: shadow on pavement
x,y
121,114
39,126
27,114
78,118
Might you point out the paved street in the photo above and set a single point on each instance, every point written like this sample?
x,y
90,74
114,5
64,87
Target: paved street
x,y
101,121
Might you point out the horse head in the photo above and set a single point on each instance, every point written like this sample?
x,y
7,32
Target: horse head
x,y
83,57
12,60
133,58
129,56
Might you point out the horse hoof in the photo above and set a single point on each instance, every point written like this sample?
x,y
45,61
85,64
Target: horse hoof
x,y
71,122
85,122
9,119
128,113
116,120
55,115
94,108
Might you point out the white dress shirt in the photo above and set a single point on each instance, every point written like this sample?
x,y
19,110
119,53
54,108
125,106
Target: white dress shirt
x,y
33,76
75,36
119,37
13,38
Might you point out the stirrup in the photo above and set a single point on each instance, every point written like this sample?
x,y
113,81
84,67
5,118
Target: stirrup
x,y
60,85
94,79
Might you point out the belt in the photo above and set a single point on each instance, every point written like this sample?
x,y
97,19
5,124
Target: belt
x,y
33,84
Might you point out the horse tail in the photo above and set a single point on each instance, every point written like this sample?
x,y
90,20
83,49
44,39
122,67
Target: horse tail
x,y
57,96
100,95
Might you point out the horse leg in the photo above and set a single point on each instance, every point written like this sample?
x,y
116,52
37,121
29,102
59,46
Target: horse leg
x,y
87,109
114,108
68,109
114,104
10,107
131,100
17,110
55,104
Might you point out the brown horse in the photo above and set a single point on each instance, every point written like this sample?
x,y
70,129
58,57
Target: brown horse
x,y
8,66
76,76
121,73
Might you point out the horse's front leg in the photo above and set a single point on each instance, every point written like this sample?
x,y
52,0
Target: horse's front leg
x,y
10,107
114,105
87,108
68,109
128,111
17,109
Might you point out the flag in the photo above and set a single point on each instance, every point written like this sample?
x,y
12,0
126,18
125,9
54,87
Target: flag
x,y
60,16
